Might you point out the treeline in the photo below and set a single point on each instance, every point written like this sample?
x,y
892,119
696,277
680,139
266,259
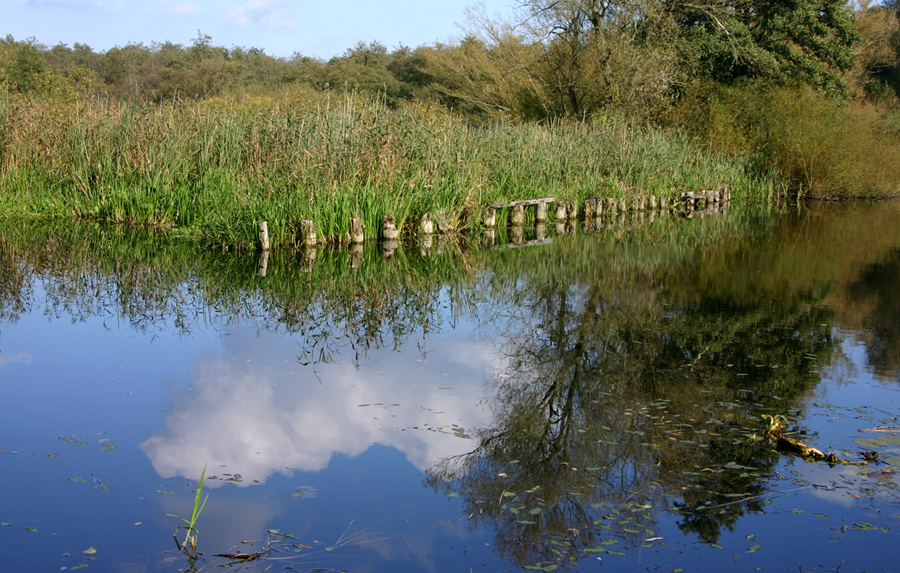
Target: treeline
x,y
808,87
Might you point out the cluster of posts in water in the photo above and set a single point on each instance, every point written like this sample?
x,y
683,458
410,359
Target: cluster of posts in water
x,y
595,214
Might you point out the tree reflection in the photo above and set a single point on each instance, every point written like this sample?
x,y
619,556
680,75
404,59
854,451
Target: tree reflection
x,y
629,393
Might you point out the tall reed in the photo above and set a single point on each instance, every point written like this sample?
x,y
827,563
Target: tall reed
x,y
215,168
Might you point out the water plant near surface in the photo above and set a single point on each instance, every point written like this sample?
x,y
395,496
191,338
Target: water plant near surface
x,y
189,545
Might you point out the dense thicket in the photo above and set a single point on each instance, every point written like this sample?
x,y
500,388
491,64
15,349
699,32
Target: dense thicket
x,y
766,79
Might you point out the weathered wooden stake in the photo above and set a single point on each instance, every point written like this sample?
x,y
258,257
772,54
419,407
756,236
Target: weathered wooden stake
x,y
654,202
517,215
307,233
356,231
490,216
571,210
541,213
623,205
560,211
264,236
426,225
389,231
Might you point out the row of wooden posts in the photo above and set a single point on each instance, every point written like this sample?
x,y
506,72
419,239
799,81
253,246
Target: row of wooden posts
x,y
563,211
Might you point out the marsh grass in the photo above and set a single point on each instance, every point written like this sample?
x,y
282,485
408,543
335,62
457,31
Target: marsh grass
x,y
214,169
189,545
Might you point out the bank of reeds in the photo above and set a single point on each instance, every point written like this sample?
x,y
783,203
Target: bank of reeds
x,y
214,169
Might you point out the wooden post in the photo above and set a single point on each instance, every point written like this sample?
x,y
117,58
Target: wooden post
x,y
517,216
654,202
264,236
623,205
571,210
589,209
540,231
389,231
612,205
490,216
426,225
307,233
356,231
541,212
663,202
560,212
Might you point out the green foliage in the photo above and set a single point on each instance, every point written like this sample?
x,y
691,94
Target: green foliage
x,y
218,167
820,146
805,41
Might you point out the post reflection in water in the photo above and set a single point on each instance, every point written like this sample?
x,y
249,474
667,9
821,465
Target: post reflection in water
x,y
602,396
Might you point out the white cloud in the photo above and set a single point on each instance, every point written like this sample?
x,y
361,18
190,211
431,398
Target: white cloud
x,y
268,13
176,8
65,3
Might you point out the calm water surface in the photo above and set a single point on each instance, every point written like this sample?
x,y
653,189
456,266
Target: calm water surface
x,y
594,403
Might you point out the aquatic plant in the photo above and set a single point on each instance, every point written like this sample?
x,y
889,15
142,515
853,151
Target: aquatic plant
x,y
189,545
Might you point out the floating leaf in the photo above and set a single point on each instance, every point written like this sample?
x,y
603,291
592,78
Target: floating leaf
x,y
31,528
754,547
89,551
609,542
52,455
716,546
165,492
535,511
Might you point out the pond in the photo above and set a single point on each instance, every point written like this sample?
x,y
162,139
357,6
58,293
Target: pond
x,y
597,400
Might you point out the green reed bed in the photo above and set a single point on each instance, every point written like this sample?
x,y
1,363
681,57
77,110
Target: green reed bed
x,y
214,169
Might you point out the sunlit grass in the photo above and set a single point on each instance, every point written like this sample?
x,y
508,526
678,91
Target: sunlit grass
x,y
215,169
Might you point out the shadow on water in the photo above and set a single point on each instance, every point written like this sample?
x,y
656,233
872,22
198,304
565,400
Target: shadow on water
x,y
636,363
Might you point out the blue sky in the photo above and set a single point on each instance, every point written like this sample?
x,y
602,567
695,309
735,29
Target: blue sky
x,y
281,27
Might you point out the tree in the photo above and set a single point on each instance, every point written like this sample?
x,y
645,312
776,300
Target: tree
x,y
784,41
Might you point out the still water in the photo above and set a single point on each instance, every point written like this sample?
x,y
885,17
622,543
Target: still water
x,y
598,401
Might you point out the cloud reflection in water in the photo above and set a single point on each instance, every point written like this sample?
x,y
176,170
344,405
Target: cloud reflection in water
x,y
253,410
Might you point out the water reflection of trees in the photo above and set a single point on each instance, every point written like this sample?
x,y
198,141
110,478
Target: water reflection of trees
x,y
637,366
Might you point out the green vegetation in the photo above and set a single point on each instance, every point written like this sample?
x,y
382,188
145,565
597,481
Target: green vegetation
x,y
189,545
578,99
